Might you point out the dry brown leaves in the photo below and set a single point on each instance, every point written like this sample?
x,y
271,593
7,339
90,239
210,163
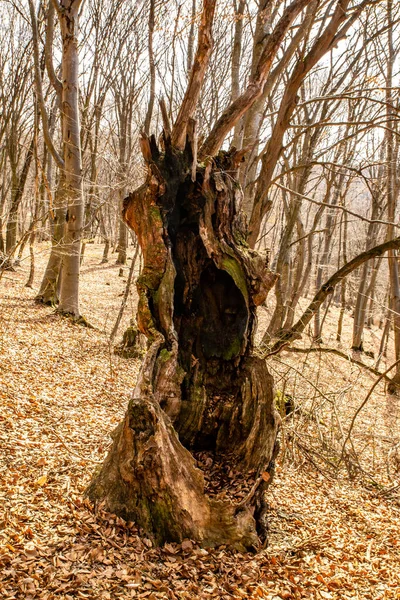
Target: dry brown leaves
x,y
62,391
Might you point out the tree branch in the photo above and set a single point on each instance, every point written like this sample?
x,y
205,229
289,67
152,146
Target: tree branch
x,y
39,90
274,146
152,69
197,74
364,402
335,206
255,87
343,355
48,51
327,289
57,5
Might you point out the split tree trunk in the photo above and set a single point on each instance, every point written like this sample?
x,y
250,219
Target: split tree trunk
x,y
200,387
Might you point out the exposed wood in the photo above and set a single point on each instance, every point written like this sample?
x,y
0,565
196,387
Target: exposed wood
x,y
165,118
198,292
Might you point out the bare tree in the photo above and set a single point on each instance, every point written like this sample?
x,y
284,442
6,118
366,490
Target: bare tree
x,y
198,294
285,112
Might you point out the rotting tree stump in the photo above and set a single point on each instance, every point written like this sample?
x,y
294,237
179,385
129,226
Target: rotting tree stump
x,y
200,386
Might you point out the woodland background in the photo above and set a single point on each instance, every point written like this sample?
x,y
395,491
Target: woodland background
x,y
320,186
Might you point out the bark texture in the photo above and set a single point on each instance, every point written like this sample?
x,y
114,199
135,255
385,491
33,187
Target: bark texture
x,y
200,387
69,290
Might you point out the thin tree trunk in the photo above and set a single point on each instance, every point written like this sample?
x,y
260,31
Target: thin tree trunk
x,y
253,118
152,69
384,339
48,292
191,39
327,289
371,291
105,237
16,197
126,294
391,190
69,290
33,224
288,104
362,295
343,284
3,198
49,288
324,259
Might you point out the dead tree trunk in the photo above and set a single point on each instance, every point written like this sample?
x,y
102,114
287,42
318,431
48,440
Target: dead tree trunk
x,y
200,387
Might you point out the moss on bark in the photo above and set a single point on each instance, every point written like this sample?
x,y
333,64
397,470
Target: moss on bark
x,y
200,387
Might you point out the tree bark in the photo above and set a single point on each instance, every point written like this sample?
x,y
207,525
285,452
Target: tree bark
x,y
69,291
274,147
243,103
197,74
235,68
152,69
104,236
17,190
198,293
392,193
48,292
343,284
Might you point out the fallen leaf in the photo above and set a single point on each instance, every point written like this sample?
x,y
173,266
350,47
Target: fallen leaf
x,y
187,546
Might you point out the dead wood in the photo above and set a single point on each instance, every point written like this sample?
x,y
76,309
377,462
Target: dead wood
x,y
200,387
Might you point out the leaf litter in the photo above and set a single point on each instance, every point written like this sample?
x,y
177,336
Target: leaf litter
x,y
62,392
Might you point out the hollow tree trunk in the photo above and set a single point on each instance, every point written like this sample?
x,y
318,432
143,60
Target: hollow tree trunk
x,y
200,387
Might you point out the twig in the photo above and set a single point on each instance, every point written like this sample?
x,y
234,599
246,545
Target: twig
x,y
364,402
96,462
328,287
336,206
387,491
354,361
251,493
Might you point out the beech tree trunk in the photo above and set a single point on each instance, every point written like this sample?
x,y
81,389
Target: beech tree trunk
x,y
201,388
69,289
49,287
392,197
17,190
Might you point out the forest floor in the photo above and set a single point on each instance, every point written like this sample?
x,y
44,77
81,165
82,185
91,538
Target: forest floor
x,y
63,390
